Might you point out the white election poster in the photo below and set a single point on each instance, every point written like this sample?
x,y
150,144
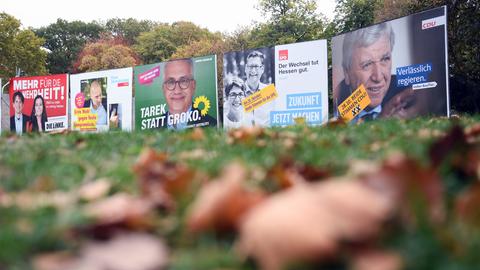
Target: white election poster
x,y
276,86
102,100
301,80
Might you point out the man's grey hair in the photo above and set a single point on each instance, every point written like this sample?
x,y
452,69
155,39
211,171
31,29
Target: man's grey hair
x,y
189,61
363,38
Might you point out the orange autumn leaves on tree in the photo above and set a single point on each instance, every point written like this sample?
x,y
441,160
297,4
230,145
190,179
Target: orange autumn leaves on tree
x,y
106,53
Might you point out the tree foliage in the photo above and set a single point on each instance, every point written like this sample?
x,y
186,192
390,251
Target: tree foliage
x,y
64,40
162,42
129,29
354,14
288,21
106,53
19,49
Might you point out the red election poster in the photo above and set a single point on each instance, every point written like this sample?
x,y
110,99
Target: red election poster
x,y
38,104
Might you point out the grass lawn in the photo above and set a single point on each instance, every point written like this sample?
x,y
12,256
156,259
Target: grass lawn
x,y
33,166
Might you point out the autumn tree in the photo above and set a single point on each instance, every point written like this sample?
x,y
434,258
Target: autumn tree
x,y
288,21
129,29
106,53
64,40
19,49
162,42
353,14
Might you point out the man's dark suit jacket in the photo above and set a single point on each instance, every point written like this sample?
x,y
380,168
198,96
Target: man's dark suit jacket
x,y
24,123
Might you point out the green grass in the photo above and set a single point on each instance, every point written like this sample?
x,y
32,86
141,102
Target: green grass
x,y
65,161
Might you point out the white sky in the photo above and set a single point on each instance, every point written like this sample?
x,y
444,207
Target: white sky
x,y
216,15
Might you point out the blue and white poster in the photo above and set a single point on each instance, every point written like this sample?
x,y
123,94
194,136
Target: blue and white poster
x,y
402,64
276,86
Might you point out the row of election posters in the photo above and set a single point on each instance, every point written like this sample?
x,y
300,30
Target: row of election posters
x,y
395,69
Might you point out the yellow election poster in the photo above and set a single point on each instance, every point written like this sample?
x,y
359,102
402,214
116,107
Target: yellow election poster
x,y
259,98
354,104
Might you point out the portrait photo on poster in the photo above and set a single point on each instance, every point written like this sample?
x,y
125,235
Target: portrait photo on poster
x,y
38,103
95,93
177,94
401,63
245,73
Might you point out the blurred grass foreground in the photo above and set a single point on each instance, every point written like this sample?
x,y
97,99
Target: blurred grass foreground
x,y
380,195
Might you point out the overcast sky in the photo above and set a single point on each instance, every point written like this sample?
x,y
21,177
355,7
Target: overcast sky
x,y
216,15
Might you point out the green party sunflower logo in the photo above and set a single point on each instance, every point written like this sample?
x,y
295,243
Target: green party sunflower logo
x,y
203,104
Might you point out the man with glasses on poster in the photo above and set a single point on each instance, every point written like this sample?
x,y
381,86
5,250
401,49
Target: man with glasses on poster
x,y
254,69
179,88
367,60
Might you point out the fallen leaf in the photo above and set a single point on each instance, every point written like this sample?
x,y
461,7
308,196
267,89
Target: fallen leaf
x,y
453,140
118,211
310,222
126,251
245,134
198,153
94,190
288,173
222,203
466,206
405,180
336,122
43,184
197,134
60,260
473,133
377,260
160,178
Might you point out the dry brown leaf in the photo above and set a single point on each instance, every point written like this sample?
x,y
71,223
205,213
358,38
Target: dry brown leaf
x,y
467,205
451,142
61,260
43,184
197,134
133,251
222,203
198,153
245,134
309,222
405,180
377,260
159,177
288,173
473,133
336,122
119,210
126,251
360,168
94,190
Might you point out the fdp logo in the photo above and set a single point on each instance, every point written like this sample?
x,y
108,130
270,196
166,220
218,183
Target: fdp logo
x,y
283,55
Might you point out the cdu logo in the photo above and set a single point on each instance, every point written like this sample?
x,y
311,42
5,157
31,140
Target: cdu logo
x,y
283,55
